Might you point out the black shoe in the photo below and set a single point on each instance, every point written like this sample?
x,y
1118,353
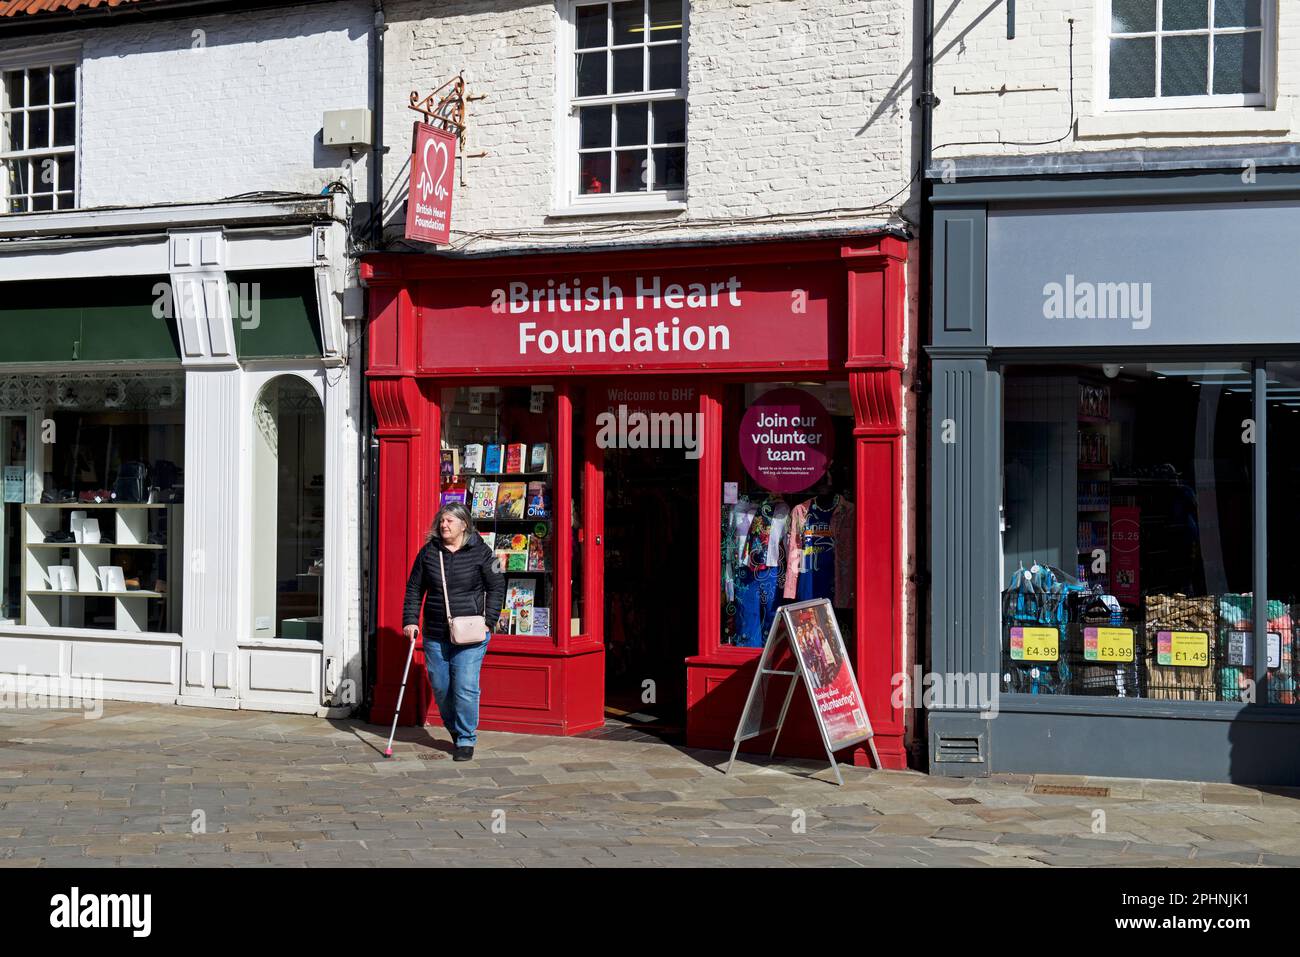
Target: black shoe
x,y
463,753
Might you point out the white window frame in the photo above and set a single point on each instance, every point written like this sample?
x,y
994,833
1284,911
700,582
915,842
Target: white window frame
x,y
1268,45
567,201
63,54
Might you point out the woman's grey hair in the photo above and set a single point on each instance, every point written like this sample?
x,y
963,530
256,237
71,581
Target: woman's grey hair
x,y
455,510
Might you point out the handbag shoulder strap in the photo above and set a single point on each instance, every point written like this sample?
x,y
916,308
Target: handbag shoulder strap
x,y
446,598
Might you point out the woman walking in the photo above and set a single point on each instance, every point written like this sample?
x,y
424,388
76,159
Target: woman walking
x,y
454,554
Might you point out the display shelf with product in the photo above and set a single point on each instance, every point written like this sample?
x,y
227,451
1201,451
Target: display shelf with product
x,y
111,551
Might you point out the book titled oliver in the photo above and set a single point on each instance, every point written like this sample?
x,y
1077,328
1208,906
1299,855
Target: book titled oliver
x,y
483,503
539,500
510,500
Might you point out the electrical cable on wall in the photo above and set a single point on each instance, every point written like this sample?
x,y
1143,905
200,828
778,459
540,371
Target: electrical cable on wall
x,y
1069,130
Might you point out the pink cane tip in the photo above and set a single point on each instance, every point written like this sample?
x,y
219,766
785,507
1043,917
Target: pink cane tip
x,y
388,752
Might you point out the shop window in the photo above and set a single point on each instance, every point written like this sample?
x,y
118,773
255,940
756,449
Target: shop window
x,y
288,508
625,90
93,498
1126,529
1283,388
787,504
498,448
1181,53
38,136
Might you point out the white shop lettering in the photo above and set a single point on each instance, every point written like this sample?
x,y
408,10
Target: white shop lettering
x,y
650,292
661,337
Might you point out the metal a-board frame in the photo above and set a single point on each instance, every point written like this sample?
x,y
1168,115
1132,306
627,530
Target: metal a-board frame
x,y
782,628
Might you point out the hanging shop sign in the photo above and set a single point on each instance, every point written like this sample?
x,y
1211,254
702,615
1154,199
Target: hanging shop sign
x,y
678,318
786,440
808,632
433,170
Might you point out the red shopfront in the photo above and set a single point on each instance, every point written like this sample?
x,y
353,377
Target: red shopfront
x,y
628,580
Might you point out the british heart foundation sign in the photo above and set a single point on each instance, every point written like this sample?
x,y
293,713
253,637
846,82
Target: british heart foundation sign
x,y
433,168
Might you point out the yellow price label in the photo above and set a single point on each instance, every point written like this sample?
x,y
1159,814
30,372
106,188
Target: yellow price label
x,y
1108,644
1183,649
1035,644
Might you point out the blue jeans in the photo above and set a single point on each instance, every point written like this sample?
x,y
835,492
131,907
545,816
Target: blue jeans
x,y
755,590
453,672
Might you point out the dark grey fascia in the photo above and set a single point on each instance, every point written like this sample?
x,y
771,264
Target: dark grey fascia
x,y
1116,161
1152,186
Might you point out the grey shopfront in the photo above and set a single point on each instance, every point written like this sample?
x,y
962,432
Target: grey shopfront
x,y
1113,471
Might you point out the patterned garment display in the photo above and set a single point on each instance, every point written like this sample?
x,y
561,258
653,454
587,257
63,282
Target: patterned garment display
x,y
819,552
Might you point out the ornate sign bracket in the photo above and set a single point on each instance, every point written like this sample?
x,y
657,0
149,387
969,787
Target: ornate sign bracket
x,y
444,108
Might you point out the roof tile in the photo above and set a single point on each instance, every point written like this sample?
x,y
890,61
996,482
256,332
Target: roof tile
x,y
16,8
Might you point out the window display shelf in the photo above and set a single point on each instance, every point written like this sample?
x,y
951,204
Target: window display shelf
x,y
105,545
113,505
129,593
131,525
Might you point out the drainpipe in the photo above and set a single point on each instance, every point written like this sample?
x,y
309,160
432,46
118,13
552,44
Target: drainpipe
x,y
927,101
366,492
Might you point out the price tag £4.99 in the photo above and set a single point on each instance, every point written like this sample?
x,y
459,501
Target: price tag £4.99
x,y
1035,644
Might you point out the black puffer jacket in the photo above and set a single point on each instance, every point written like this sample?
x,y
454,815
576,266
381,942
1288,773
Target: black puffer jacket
x,y
471,574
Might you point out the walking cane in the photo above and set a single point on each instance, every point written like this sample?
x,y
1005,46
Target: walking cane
x,y
388,751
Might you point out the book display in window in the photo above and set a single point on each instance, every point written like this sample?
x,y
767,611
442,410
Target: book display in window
x,y
502,442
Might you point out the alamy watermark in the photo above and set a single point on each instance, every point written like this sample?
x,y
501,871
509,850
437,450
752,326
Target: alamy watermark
x,y
1080,299
948,691
624,429
71,692
245,301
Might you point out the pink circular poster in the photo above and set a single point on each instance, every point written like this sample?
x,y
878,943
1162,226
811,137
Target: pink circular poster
x,y
786,439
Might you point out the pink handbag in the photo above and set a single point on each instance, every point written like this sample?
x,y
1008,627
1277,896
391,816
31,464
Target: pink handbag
x,y
466,629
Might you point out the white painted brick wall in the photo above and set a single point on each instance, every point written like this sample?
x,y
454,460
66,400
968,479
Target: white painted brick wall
x,y
973,53
164,121
793,106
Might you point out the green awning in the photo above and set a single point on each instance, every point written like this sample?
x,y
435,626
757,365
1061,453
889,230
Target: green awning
x,y
87,320
274,314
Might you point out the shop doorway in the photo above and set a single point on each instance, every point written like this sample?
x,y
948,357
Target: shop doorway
x,y
651,572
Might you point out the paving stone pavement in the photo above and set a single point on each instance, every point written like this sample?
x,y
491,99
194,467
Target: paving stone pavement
x,y
132,788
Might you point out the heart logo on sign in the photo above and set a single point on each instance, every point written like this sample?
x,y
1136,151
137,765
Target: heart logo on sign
x,y
427,184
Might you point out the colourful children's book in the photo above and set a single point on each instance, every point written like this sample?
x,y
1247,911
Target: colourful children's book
x,y
502,543
541,621
519,599
516,561
536,553
539,500
489,539
473,461
510,500
539,459
484,500
492,460
515,452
